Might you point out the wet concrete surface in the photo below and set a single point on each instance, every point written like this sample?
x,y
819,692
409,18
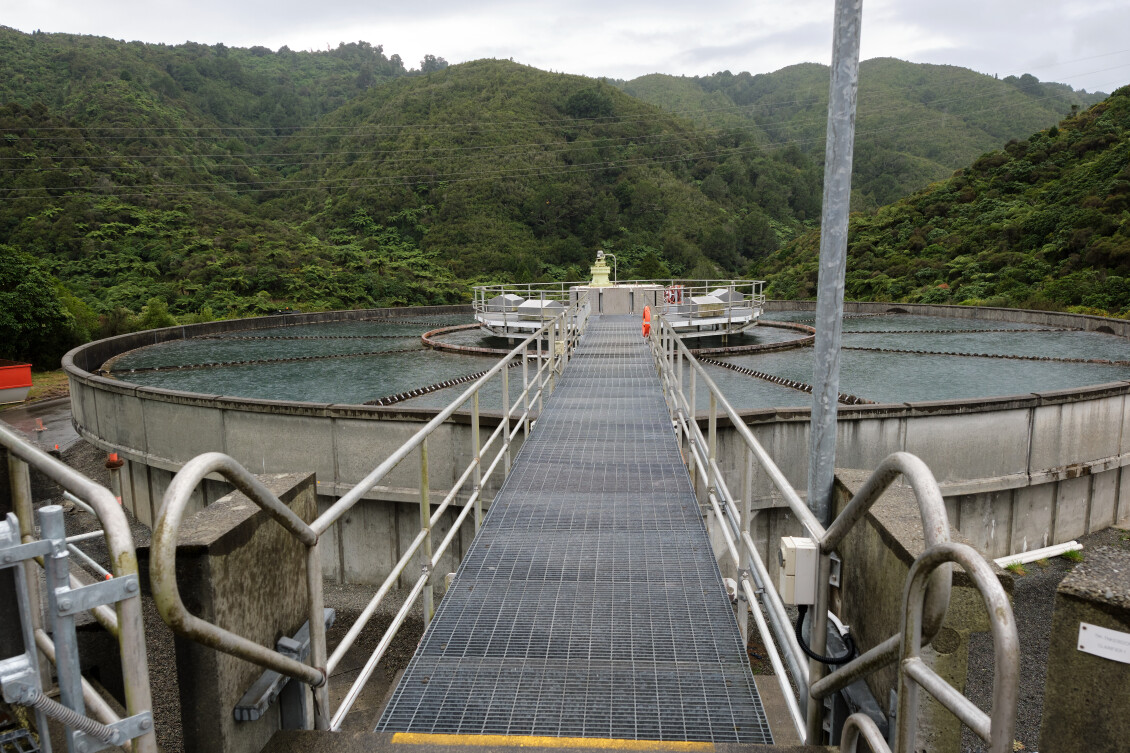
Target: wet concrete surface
x,y
47,422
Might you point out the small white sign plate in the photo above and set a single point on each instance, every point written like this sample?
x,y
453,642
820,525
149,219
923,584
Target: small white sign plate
x,y
1104,642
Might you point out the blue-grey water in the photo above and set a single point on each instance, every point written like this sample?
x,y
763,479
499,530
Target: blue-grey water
x,y
900,321
882,377
1052,344
345,380
898,377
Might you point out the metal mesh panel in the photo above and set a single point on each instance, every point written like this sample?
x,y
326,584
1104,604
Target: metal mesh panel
x,y
590,604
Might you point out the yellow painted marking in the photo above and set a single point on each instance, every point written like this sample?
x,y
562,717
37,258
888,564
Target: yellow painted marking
x,y
533,741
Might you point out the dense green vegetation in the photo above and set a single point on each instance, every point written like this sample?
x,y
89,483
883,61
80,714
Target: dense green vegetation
x,y
521,174
1043,223
143,185
916,123
204,182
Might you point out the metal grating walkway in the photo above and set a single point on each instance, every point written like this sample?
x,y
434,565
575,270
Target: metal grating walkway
x,y
590,604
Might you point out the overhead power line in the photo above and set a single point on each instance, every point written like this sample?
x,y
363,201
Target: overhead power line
x,y
431,178
371,156
210,133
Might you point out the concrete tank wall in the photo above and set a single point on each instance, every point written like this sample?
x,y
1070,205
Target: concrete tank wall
x,y
155,431
1017,472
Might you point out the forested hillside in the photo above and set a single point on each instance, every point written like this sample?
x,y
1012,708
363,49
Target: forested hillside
x,y
1043,223
520,173
916,123
145,182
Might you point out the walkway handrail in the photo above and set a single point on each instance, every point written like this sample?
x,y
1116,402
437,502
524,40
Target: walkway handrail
x,y
564,330
557,325
676,295
669,350
125,619
735,514
674,349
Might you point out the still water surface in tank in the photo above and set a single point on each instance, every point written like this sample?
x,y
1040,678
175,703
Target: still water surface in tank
x,y
882,377
898,377
344,380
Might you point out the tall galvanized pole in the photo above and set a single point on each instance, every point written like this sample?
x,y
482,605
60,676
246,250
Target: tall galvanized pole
x,y
833,256
829,315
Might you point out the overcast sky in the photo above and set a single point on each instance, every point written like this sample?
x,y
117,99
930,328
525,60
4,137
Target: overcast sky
x,y
1080,42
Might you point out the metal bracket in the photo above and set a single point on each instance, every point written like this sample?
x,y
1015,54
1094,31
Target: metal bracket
x,y
267,688
836,571
295,649
128,728
10,555
75,600
744,575
17,678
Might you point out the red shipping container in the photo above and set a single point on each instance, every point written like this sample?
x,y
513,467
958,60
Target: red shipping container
x,y
15,381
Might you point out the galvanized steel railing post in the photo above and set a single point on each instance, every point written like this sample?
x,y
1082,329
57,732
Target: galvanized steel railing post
x,y
426,525
540,376
746,521
525,397
62,625
678,398
19,476
318,653
476,449
829,309
729,311
506,418
692,420
712,443
672,351
552,356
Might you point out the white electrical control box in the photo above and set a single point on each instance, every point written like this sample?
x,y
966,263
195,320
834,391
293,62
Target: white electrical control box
x,y
796,580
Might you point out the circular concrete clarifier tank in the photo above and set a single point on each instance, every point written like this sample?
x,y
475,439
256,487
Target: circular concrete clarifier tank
x,y
1031,450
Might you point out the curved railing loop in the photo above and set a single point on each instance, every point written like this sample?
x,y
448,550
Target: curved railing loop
x,y
995,728
858,727
162,566
935,530
935,522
